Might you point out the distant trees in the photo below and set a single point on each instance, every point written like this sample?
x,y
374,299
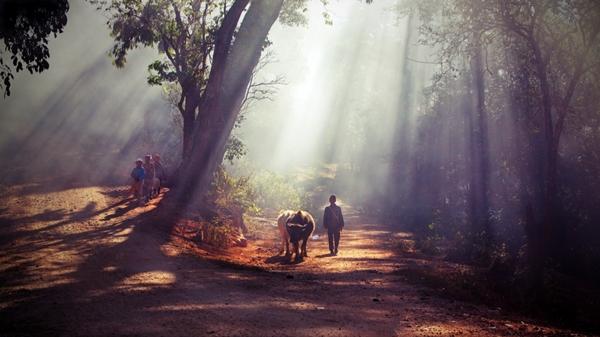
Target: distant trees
x,y
25,27
531,62
460,34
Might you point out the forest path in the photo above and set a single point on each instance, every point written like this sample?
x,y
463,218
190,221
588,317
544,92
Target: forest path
x,y
84,262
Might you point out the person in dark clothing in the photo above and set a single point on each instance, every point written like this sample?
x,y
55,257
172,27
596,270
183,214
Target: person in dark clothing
x,y
333,221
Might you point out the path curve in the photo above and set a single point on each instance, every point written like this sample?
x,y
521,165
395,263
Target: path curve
x,y
82,262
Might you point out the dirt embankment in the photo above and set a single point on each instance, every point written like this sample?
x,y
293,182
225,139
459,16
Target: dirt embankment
x,y
86,262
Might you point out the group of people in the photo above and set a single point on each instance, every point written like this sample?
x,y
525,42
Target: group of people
x,y
148,176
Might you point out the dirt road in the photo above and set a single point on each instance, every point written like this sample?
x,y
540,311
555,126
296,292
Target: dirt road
x,y
83,262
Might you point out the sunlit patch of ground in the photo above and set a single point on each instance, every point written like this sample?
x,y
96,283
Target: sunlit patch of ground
x,y
89,262
46,234
363,247
147,281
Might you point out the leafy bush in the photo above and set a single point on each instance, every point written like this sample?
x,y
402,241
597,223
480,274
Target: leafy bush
x,y
219,233
275,191
229,192
429,241
222,224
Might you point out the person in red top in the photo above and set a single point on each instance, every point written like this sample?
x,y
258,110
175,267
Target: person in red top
x,y
333,221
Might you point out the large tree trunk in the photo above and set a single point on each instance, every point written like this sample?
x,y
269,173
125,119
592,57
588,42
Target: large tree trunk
x,y
479,151
227,85
483,150
549,177
549,169
189,117
539,230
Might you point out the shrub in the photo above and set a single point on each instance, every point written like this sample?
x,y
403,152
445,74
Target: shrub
x,y
278,192
234,193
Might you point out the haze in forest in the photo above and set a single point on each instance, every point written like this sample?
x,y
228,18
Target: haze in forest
x,y
337,88
461,138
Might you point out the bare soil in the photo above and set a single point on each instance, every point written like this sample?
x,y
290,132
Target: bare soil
x,y
85,261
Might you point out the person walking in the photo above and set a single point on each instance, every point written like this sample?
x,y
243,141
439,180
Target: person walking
x,y
148,177
137,175
333,221
159,170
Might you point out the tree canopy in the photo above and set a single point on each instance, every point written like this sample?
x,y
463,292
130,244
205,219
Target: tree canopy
x,y
25,27
184,32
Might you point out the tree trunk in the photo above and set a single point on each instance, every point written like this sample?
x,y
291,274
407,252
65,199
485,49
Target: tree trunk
x,y
479,163
547,227
541,232
483,149
189,116
225,92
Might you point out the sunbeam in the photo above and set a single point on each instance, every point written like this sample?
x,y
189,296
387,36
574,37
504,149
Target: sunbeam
x,y
299,167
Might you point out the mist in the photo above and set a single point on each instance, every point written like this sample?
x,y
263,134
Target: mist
x,y
83,115
343,104
459,139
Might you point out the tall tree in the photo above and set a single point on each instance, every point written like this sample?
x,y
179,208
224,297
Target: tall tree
x,y
556,44
233,63
460,32
211,50
183,31
563,40
186,33
479,144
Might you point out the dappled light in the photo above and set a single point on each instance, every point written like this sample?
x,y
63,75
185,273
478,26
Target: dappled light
x,y
299,168
147,281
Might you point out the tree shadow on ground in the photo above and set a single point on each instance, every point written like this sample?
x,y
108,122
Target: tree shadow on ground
x,y
130,204
125,279
282,260
15,227
320,256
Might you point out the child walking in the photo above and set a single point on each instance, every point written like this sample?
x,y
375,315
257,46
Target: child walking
x,y
137,174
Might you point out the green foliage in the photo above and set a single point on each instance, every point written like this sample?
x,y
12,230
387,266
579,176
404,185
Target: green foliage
x,y
231,198
235,196
182,30
277,192
24,28
235,149
294,12
428,238
160,72
429,244
525,44
184,33
218,233
237,193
